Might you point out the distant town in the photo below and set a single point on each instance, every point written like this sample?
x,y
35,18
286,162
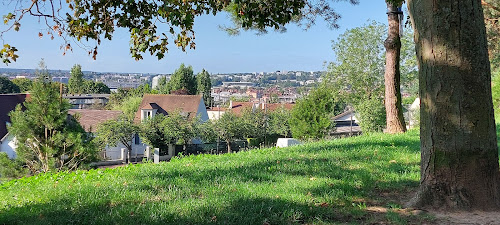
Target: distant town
x,y
274,87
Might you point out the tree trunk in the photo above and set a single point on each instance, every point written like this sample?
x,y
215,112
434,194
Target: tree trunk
x,y
228,147
459,153
394,109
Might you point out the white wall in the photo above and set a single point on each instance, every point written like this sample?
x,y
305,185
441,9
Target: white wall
x,y
8,146
114,153
202,111
214,115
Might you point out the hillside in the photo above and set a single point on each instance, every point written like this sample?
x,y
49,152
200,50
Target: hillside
x,y
356,180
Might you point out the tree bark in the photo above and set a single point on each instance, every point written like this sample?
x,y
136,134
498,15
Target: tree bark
x,y
228,147
459,153
395,121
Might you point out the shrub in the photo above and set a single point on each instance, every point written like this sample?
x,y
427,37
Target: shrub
x,y
11,168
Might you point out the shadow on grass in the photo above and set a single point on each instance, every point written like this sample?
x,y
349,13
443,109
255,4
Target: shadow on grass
x,y
338,180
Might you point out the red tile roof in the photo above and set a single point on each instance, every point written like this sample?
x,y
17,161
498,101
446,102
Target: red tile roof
x,y
8,102
238,107
90,119
169,103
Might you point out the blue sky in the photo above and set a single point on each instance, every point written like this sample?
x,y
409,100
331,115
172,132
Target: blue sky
x,y
216,51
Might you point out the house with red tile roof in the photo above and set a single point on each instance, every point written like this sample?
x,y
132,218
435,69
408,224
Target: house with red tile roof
x,y
190,105
90,120
8,102
238,107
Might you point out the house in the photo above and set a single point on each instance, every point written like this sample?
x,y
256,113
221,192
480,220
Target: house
x,y
91,119
8,102
346,124
190,105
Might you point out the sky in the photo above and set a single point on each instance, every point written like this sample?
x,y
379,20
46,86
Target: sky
x,y
216,51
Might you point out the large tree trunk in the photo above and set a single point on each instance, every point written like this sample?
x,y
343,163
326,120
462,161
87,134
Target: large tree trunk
x,y
459,154
393,107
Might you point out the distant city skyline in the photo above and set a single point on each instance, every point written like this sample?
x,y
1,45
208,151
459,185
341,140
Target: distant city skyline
x,y
216,51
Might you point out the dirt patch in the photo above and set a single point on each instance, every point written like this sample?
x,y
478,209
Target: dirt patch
x,y
472,218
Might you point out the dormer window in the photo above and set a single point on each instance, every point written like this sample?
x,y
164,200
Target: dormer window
x,y
147,113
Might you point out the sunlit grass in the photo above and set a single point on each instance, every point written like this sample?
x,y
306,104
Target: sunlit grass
x,y
326,182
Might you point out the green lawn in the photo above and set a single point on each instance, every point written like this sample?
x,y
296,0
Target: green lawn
x,y
330,182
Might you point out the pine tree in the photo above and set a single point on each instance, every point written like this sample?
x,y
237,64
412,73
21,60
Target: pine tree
x,y
47,138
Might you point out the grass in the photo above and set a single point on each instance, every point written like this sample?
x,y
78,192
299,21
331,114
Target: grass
x,y
330,182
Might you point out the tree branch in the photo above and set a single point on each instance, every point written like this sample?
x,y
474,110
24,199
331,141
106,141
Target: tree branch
x,y
484,3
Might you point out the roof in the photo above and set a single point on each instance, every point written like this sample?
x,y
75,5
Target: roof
x,y
8,102
343,114
238,107
169,103
276,106
90,119
86,96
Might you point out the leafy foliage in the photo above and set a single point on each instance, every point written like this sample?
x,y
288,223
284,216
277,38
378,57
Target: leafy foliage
x,y
204,86
92,87
47,139
491,10
358,72
153,24
279,122
128,100
182,79
8,54
229,128
495,91
114,132
7,86
372,115
78,85
11,168
76,82
175,128
24,84
254,123
311,118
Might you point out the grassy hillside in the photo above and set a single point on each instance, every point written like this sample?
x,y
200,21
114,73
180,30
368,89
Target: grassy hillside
x,y
327,182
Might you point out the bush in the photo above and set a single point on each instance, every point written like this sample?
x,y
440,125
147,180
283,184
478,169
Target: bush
x,y
11,168
371,115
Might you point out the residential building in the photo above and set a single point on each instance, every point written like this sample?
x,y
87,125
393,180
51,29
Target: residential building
x,y
190,105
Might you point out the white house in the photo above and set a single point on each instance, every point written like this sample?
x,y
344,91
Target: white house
x,y
189,105
8,102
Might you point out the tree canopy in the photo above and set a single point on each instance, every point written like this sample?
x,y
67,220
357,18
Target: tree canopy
x,y
182,80
204,86
154,24
311,118
7,86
